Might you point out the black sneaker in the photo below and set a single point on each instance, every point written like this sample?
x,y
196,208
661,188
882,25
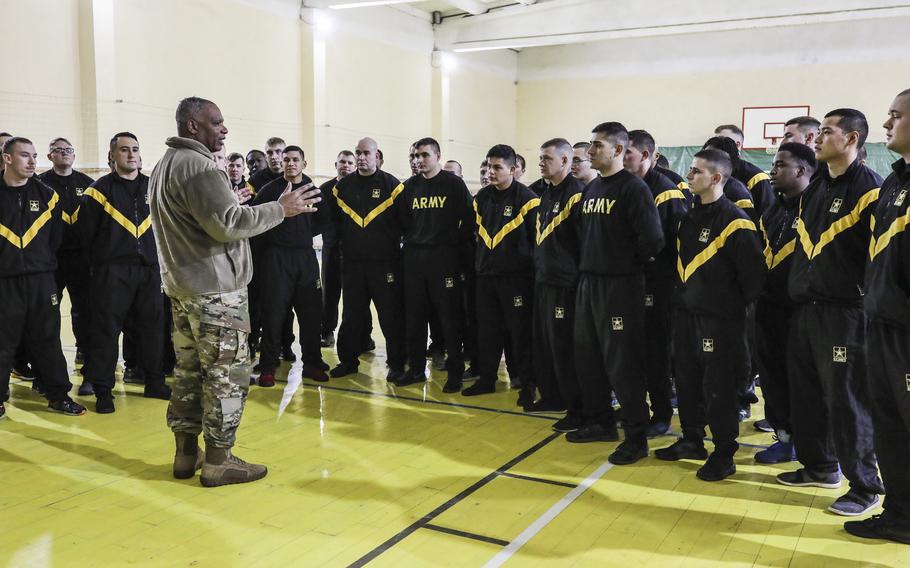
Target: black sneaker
x,y
525,398
763,425
804,478
882,527
470,374
104,403
716,468
854,503
25,373
66,407
343,369
745,413
394,375
544,407
629,452
570,423
593,433
287,353
682,449
328,340
479,388
411,378
657,428
452,386
86,388
38,387
132,376
161,392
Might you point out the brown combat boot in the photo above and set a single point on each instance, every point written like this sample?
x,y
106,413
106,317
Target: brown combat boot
x,y
223,468
189,456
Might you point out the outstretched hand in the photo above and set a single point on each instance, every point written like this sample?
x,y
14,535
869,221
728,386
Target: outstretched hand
x,y
300,200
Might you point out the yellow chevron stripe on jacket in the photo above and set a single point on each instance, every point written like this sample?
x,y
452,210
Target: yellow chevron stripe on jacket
x,y
772,259
32,231
712,249
668,195
555,221
757,178
376,212
876,246
744,203
70,219
117,216
507,228
850,219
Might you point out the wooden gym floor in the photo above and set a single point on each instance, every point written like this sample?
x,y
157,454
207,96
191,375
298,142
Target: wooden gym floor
x,y
361,473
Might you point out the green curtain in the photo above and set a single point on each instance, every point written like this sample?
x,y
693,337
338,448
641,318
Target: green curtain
x,y
879,158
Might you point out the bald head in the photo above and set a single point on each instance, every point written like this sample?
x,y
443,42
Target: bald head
x,y
367,154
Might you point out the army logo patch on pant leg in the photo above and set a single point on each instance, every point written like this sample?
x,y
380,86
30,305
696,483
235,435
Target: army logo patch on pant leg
x,y
707,345
450,282
907,378
318,284
54,300
649,300
390,277
617,324
560,313
518,301
840,354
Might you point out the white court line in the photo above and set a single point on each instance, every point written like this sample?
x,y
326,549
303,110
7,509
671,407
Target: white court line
x,y
543,520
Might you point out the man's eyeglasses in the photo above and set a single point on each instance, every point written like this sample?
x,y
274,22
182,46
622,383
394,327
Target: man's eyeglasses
x,y
64,151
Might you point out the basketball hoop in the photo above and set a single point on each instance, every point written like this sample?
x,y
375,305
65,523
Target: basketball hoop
x,y
775,144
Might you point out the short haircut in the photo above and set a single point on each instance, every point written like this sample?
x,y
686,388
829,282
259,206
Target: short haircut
x,y
431,142
560,144
584,145
805,123
234,156
614,130
55,140
724,144
189,108
663,162
642,140
503,151
293,148
122,135
732,128
378,154
801,153
344,153
5,134
718,161
852,120
904,93
520,160
485,163
457,164
275,141
260,152
8,145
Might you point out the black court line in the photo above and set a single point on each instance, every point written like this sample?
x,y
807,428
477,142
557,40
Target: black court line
x,y
466,534
538,479
439,402
423,521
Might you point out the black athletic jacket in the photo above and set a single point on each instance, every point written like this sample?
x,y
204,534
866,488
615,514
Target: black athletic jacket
x,y
436,212
364,217
833,229
539,186
671,206
30,228
69,189
758,183
618,226
887,297
778,232
557,251
736,191
258,180
329,238
244,182
681,183
114,223
505,230
294,236
721,267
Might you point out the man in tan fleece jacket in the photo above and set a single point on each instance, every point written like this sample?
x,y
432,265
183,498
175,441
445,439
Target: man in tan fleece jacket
x,y
202,235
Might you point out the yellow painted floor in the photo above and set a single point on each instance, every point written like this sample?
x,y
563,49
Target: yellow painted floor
x,y
367,474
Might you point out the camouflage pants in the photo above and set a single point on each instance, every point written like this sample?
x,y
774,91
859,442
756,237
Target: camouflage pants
x,y
212,375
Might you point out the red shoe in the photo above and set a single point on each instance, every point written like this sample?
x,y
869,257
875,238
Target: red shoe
x,y
267,380
316,373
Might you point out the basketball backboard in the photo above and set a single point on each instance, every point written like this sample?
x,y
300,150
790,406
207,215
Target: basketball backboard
x,y
763,126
